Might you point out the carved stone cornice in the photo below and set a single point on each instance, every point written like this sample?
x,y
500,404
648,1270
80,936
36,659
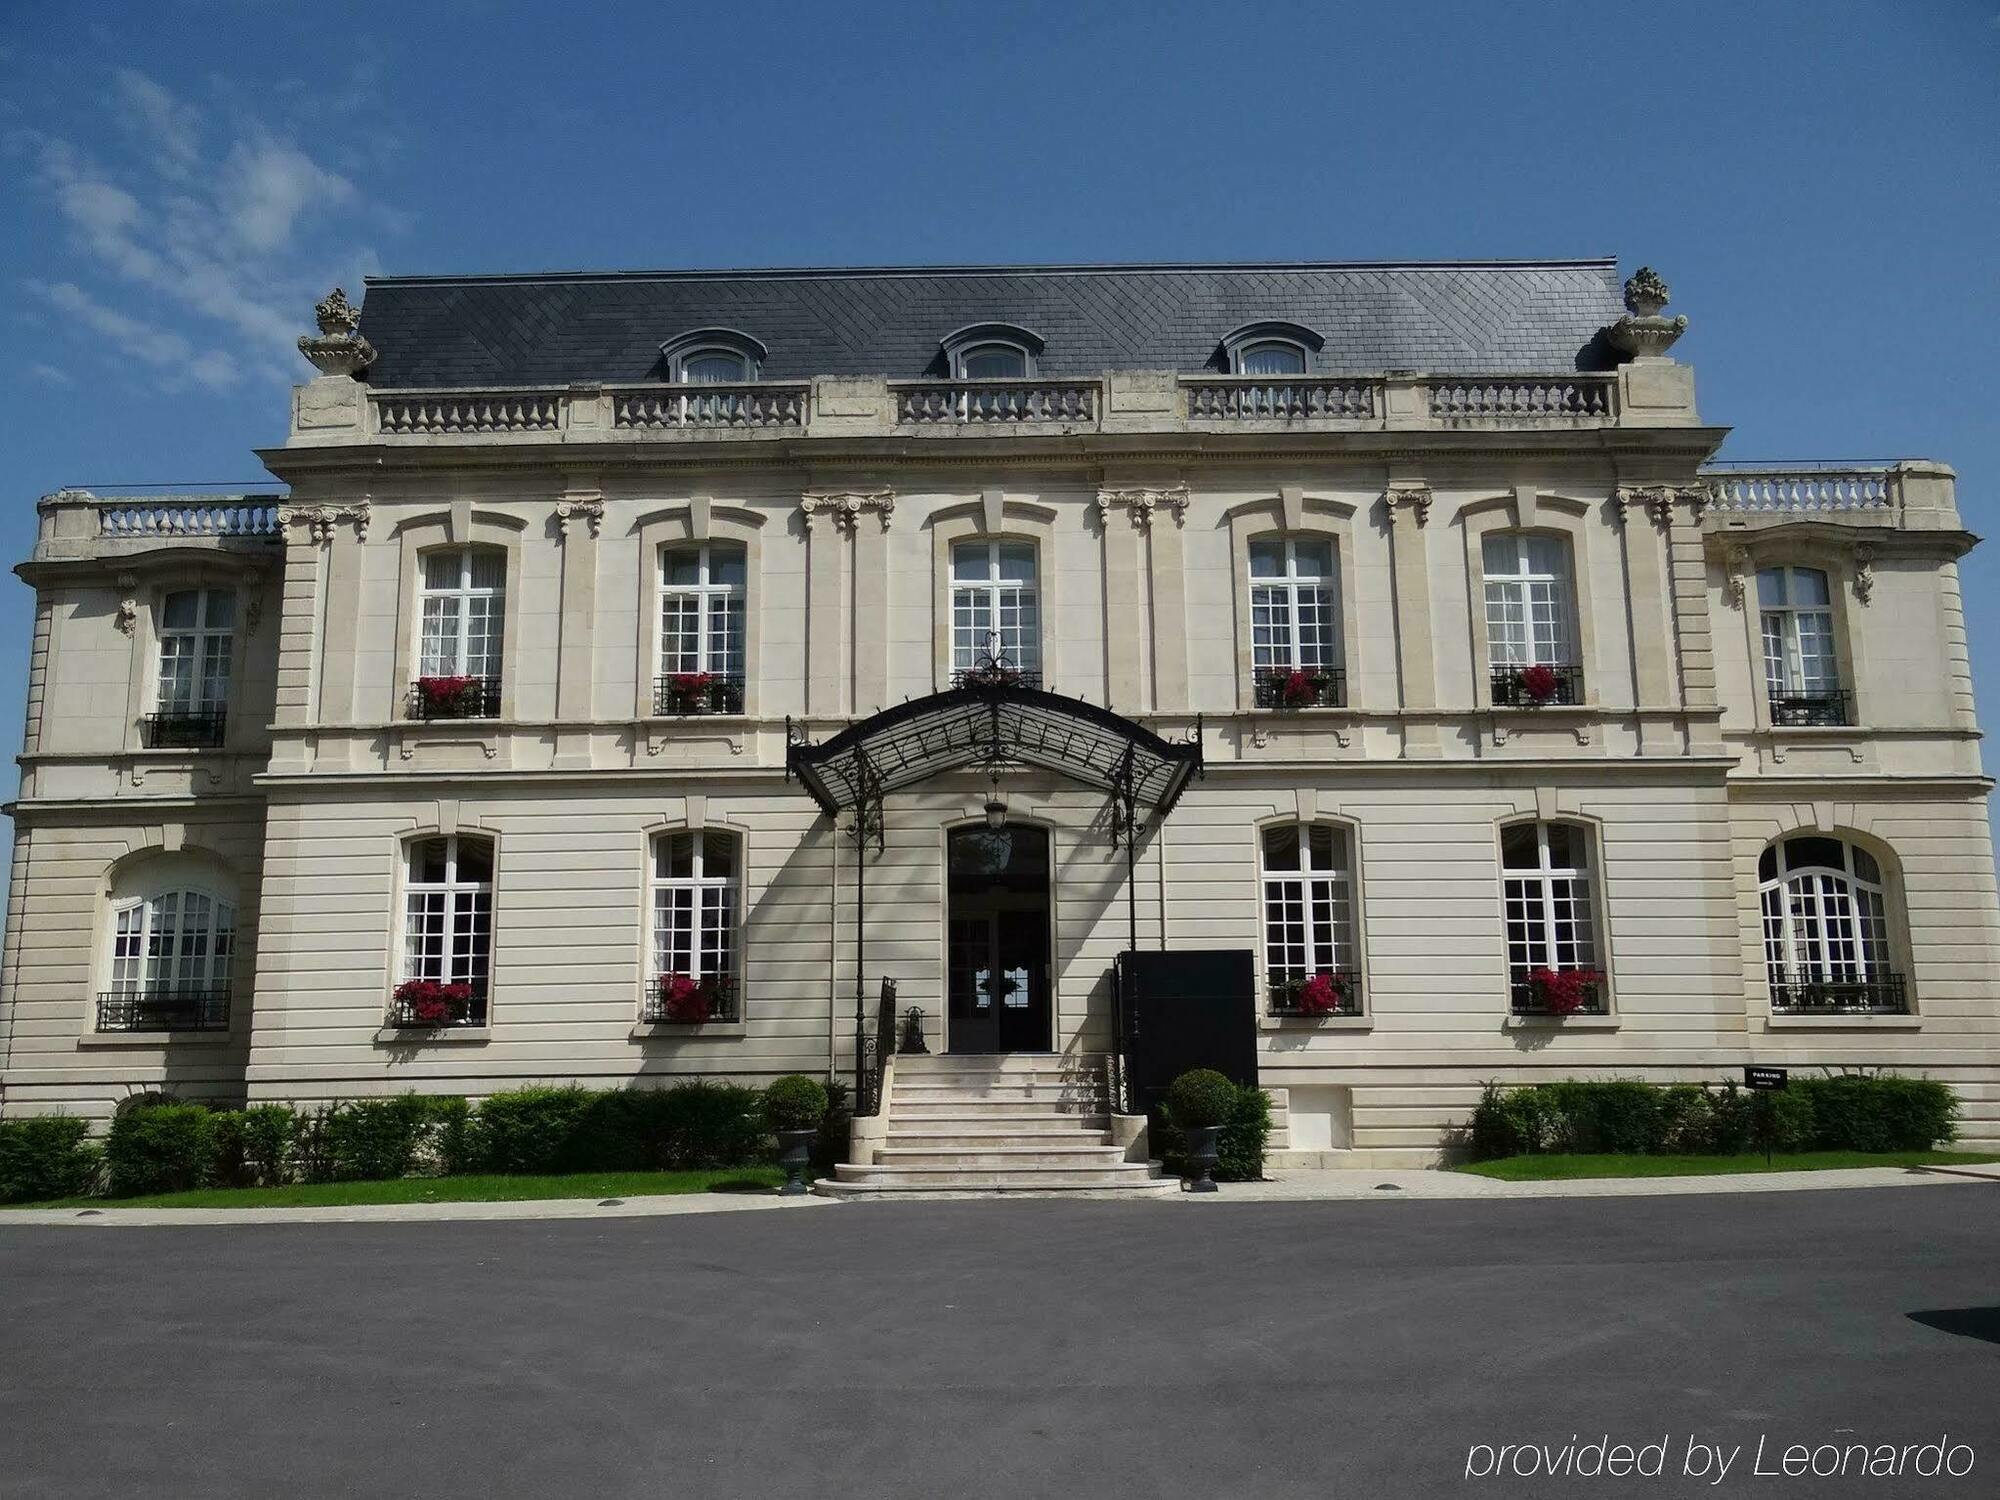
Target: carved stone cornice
x,y
846,506
319,520
1139,504
1660,499
1413,500
590,507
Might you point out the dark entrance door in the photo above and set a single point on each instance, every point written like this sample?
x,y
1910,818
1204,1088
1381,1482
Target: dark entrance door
x,y
997,991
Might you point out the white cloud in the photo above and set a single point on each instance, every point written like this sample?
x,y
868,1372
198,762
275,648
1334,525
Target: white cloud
x,y
170,127
245,232
49,374
144,341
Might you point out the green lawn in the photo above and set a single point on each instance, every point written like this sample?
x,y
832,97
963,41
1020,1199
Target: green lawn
x,y
471,1189
1555,1168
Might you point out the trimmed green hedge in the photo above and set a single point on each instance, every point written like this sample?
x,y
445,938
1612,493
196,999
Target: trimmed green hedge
x,y
46,1156
1842,1112
157,1146
1239,1150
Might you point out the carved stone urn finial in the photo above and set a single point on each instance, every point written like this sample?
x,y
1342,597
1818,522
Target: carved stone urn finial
x,y
339,348
1642,332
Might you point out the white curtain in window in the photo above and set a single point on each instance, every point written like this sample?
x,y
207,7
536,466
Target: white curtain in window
x,y
1547,896
197,634
464,604
1294,603
1528,603
702,605
1308,891
1797,615
995,609
694,905
448,911
1825,917
178,942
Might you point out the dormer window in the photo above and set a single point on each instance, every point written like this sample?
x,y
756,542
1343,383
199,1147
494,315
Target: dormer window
x,y
1268,348
991,351
713,356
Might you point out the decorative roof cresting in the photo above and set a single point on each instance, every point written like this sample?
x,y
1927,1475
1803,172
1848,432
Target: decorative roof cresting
x,y
1642,332
339,348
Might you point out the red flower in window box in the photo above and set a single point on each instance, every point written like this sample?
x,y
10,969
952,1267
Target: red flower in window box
x,y
1538,683
1563,992
449,695
431,1002
1323,995
683,998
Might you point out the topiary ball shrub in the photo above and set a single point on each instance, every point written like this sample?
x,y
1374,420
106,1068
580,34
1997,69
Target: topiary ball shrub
x,y
161,1148
46,1156
1199,1098
795,1102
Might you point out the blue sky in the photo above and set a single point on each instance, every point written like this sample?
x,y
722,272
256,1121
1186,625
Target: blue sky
x,y
1817,181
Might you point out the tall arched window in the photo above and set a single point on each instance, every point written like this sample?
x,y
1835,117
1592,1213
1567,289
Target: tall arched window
x,y
1801,668
1295,623
695,940
1826,928
1547,878
197,641
1310,962
702,609
462,609
995,610
171,951
1530,619
447,940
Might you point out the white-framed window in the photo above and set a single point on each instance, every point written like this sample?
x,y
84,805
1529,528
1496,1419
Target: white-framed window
x,y
713,367
695,909
1270,357
703,598
1306,871
462,609
197,641
448,914
1796,609
1826,918
172,944
992,361
1547,879
995,607
1294,603
1530,611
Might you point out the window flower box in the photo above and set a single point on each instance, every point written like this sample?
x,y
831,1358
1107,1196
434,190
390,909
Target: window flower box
x,y
1296,994
684,1000
454,698
684,693
1301,687
1560,992
1537,686
430,1003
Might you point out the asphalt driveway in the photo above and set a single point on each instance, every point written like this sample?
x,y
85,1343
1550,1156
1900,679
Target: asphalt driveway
x,y
1005,1349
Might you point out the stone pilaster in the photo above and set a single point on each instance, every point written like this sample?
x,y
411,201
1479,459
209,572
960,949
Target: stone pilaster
x,y
1645,514
832,518
1416,660
580,519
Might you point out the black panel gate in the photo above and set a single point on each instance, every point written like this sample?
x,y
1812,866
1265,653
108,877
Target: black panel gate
x,y
1181,1010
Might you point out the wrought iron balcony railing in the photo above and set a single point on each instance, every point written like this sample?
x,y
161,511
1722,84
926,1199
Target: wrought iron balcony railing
x,y
997,676
681,693
455,698
1530,999
1294,993
1804,993
1301,687
1537,686
182,730
680,1000
164,1008
430,1005
1794,710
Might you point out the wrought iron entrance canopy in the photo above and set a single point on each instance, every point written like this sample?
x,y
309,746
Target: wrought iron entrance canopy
x,y
990,721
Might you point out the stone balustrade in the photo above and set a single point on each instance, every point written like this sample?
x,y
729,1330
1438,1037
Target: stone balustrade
x,y
181,515
995,402
1480,400
1806,487
468,412
1286,398
756,405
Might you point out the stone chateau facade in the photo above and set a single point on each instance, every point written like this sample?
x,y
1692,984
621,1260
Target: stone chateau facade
x,y
1390,624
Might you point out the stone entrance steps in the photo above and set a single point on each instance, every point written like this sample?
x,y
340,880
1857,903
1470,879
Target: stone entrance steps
x,y
1015,1124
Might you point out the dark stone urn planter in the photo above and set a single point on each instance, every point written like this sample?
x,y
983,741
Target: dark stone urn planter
x,y
1201,1146
794,1152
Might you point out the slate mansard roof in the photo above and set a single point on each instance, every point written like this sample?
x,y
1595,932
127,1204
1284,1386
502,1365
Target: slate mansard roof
x,y
551,330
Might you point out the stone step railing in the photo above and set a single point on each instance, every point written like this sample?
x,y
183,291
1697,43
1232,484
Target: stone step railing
x,y
182,515
999,403
1475,399
466,412
1805,487
712,406
1286,398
